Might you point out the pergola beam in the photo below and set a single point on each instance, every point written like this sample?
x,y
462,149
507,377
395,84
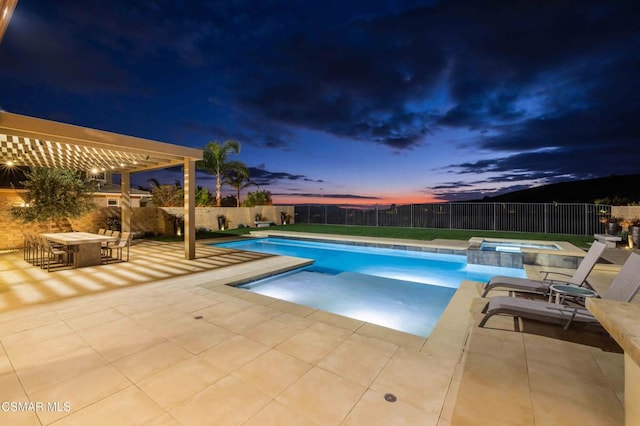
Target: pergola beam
x,y
6,11
36,142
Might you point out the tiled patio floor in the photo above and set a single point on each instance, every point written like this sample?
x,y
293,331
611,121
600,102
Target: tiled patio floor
x,y
162,340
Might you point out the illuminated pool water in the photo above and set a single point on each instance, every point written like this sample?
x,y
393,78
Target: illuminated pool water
x,y
402,289
513,247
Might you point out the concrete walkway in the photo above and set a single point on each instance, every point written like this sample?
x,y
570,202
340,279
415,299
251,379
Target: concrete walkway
x,y
160,340
521,372
163,340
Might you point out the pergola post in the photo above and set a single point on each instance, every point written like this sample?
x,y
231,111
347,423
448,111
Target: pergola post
x,y
189,209
125,202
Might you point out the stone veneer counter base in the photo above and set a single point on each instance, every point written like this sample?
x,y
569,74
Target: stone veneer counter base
x,y
622,321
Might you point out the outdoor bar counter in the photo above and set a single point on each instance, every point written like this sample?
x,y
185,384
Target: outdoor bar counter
x,y
622,321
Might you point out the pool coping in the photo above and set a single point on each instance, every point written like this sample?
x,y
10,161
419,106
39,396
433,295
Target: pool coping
x,y
567,256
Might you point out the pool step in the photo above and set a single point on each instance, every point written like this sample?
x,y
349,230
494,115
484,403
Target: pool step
x,y
402,305
348,278
372,279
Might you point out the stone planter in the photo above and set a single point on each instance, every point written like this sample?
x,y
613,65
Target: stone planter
x,y
612,228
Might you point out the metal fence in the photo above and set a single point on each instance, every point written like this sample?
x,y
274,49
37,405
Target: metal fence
x,y
552,218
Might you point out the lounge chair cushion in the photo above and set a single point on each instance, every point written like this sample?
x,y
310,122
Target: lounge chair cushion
x,y
517,284
624,288
536,309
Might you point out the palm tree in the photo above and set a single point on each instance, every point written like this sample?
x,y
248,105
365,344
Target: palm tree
x,y
237,177
153,182
214,161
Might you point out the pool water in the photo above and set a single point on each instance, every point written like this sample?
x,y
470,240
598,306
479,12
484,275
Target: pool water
x,y
511,247
402,289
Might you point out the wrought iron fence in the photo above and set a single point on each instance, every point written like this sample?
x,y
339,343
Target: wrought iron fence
x,y
552,218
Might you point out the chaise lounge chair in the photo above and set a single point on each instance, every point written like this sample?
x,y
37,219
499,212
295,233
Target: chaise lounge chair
x,y
623,288
522,284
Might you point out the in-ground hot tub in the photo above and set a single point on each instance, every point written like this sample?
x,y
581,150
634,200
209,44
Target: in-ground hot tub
x,y
517,253
515,247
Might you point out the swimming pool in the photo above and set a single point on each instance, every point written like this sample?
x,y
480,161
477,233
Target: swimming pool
x,y
402,289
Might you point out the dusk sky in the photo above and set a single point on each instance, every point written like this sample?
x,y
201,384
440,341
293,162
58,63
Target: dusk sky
x,y
356,102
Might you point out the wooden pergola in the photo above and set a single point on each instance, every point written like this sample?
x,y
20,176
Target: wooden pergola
x,y
34,142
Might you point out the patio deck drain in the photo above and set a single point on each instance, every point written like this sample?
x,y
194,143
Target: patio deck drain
x,y
389,397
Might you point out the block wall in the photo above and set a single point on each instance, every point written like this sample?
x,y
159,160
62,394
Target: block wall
x,y
144,220
12,231
627,212
207,217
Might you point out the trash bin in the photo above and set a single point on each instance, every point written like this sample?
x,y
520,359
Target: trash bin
x,y
222,222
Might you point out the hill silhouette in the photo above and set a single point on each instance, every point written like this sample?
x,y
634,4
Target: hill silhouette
x,y
617,190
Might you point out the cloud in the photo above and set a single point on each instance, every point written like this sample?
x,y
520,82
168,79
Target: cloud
x,y
264,177
325,195
576,105
450,185
582,144
37,51
351,81
396,78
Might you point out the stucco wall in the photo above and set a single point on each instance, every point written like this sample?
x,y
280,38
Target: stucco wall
x,y
627,212
143,220
207,217
156,220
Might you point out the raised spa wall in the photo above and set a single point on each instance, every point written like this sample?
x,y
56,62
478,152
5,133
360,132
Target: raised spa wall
x,y
568,256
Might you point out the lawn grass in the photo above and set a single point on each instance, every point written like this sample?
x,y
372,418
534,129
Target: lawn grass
x,y
425,234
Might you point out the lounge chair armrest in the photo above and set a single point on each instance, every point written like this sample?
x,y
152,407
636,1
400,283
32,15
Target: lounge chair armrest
x,y
556,281
546,278
570,310
546,275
